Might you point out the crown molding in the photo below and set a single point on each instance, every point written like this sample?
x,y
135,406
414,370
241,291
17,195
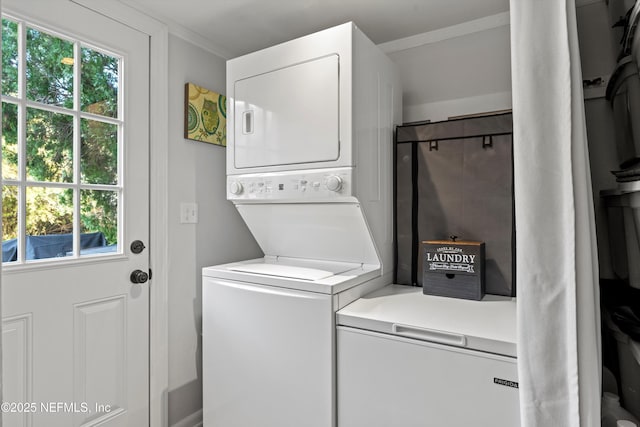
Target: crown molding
x,y
466,28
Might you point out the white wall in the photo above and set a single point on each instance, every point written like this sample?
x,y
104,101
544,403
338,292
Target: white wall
x,y
456,76
196,174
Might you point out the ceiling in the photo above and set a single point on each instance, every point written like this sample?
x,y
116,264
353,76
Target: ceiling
x,y
232,28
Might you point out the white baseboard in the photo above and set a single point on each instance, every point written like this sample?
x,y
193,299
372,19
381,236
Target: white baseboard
x,y
193,420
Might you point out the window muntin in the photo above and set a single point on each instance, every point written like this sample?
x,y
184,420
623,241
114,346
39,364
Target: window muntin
x,y
61,146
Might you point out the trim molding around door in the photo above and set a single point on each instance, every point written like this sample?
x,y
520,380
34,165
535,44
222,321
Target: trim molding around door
x,y
159,184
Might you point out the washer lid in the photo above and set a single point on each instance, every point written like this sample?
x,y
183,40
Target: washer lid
x,y
287,271
327,277
320,231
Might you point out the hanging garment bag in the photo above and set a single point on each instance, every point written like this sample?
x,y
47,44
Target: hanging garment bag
x,y
455,178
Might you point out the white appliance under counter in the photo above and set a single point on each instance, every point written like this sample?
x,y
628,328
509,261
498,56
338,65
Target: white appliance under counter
x,y
409,359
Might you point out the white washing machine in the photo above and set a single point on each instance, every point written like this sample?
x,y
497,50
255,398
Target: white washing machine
x,y
268,324
413,360
269,339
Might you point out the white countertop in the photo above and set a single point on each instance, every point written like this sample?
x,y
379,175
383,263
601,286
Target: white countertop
x,y
488,325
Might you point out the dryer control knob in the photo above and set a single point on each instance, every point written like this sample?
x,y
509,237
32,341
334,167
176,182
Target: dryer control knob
x,y
334,183
235,187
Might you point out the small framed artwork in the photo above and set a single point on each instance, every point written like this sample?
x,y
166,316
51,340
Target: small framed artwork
x,y
205,115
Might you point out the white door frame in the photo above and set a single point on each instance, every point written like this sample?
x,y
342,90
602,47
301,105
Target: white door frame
x,y
158,194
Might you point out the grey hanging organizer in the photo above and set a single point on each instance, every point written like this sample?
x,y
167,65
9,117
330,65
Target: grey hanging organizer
x,y
456,178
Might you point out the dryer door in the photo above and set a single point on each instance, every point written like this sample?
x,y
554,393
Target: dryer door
x,y
288,116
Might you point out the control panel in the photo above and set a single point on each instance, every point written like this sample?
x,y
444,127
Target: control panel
x,y
311,185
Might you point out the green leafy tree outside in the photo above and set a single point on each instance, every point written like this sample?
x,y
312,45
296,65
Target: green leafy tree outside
x,y
49,148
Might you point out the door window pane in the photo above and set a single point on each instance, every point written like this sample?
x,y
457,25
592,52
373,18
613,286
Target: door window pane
x,y
99,214
49,146
59,164
9,223
99,83
49,69
99,152
49,224
9,57
9,141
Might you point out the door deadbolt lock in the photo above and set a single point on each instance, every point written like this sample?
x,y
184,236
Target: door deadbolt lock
x,y
137,246
139,276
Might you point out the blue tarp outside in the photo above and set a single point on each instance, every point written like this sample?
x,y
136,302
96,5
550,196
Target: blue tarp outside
x,y
52,245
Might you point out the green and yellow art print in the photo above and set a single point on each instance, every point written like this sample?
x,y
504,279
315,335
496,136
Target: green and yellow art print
x,y
205,117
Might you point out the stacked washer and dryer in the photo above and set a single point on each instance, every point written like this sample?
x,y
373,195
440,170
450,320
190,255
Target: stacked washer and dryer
x,y
309,168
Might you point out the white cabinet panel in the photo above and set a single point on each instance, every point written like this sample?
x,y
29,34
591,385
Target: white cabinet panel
x,y
288,116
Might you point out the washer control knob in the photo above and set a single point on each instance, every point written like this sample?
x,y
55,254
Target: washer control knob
x,y
334,183
236,187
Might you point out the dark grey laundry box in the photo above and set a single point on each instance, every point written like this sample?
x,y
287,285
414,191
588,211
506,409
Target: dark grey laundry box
x,y
456,178
453,268
623,91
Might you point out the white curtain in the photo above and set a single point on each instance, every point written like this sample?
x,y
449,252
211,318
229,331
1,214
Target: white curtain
x,y
559,349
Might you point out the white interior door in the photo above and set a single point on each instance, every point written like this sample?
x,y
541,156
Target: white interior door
x,y
75,327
